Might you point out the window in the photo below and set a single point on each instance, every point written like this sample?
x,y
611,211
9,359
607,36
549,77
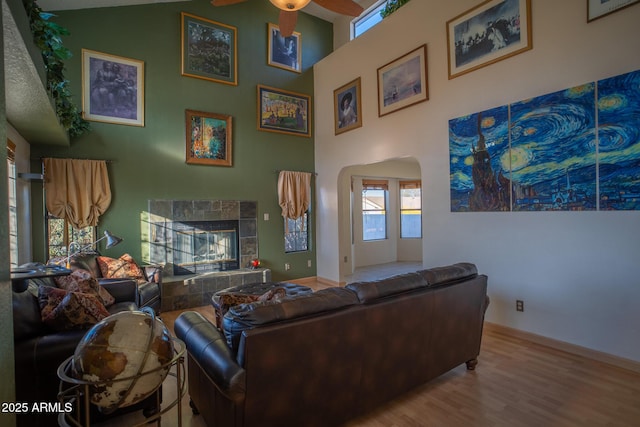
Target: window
x,y
13,204
410,209
296,234
374,209
61,235
368,19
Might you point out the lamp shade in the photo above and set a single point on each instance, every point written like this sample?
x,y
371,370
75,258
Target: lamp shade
x,y
111,239
290,5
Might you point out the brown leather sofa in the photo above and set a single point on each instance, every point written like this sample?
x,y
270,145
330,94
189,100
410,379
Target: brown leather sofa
x,y
39,349
149,289
327,357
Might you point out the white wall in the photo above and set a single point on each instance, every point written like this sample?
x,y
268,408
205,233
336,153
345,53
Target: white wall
x,y
577,272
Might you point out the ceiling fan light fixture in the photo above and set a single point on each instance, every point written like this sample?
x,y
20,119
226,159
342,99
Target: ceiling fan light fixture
x,y
290,5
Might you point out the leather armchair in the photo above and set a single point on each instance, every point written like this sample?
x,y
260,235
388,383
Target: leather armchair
x,y
39,350
149,290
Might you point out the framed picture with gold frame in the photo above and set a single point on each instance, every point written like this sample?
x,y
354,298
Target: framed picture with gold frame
x,y
599,8
284,52
209,138
347,107
403,82
489,32
112,89
209,50
283,111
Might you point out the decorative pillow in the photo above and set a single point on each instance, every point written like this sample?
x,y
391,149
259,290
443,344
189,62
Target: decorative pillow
x,y
64,310
124,267
81,281
275,294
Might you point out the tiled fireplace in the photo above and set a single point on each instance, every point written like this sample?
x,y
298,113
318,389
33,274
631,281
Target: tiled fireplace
x,y
204,246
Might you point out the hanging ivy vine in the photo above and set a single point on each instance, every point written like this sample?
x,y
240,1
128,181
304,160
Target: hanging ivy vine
x,y
392,6
47,35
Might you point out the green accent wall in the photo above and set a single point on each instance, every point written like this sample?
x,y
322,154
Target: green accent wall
x,y
149,162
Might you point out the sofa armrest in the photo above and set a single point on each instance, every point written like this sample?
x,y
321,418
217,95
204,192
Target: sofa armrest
x,y
123,290
209,348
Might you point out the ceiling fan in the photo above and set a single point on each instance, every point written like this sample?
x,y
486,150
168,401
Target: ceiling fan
x,y
289,10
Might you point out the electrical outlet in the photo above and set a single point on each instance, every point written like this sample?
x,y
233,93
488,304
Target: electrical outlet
x,y
287,266
345,258
519,305
308,263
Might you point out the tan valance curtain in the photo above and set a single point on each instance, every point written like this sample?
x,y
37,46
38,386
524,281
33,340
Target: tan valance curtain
x,y
375,184
77,190
294,193
410,185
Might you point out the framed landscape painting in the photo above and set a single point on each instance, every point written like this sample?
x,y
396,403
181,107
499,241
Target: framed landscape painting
x,y
599,8
209,50
346,107
490,32
112,89
284,52
283,111
403,82
209,138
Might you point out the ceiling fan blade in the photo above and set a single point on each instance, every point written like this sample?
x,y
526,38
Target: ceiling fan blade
x,y
287,22
225,2
343,7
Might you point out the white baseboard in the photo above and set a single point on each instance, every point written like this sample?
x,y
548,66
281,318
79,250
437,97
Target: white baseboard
x,y
599,356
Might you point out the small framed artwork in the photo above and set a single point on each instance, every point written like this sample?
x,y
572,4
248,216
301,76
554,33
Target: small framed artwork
x,y
490,32
209,50
347,106
599,8
112,89
284,52
209,138
403,82
283,111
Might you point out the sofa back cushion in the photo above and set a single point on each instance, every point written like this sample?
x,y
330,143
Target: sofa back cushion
x,y
374,290
27,322
86,261
451,273
248,316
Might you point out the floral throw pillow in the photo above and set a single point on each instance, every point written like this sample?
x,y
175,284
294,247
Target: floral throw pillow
x,y
65,310
82,281
124,267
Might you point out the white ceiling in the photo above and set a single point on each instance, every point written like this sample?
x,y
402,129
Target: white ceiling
x,y
51,5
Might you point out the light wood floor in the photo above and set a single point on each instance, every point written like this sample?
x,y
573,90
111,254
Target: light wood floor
x,y
516,383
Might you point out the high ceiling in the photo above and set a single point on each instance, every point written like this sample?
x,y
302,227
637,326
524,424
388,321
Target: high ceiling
x,y
50,5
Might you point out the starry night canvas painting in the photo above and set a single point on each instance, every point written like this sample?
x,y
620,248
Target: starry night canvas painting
x,y
553,151
619,142
479,161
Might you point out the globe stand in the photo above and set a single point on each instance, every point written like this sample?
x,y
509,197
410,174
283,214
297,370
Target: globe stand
x,y
77,392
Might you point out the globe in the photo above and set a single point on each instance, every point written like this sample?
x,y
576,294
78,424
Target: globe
x,y
125,358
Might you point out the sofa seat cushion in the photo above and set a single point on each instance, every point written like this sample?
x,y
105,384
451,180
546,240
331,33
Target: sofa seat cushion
x,y
64,310
374,290
247,316
124,267
438,276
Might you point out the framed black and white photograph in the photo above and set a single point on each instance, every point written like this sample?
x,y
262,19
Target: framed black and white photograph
x,y
112,89
403,82
490,32
284,52
347,106
209,50
599,8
